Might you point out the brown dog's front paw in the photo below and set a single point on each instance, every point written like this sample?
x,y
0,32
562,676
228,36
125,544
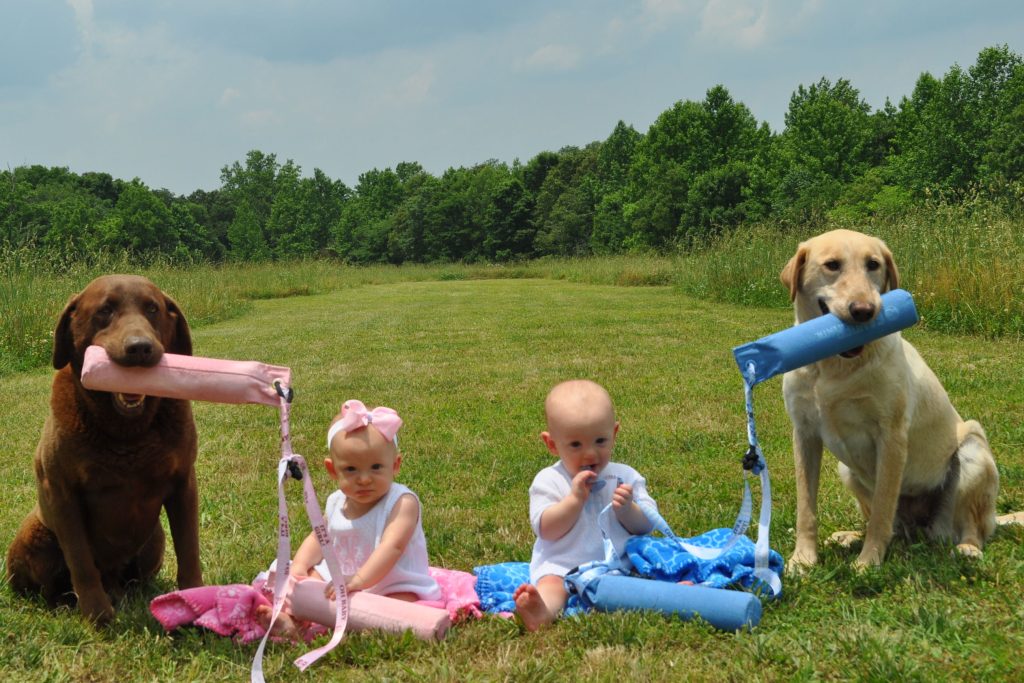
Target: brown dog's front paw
x,y
189,582
97,608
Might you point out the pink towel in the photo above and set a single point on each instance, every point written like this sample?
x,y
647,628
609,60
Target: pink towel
x,y
458,594
226,610
231,610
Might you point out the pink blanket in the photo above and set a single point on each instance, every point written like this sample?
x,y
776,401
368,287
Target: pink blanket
x,y
231,610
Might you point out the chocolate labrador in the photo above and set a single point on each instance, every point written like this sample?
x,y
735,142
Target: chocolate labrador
x,y
108,462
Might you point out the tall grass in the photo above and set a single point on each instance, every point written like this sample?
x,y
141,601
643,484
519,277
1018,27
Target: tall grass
x,y
963,263
34,288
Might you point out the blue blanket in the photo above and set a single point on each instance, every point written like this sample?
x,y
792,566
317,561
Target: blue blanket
x,y
652,557
662,559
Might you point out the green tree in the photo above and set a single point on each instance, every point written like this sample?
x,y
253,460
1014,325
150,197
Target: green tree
x,y
255,185
194,241
245,236
564,209
72,223
692,169
214,210
413,220
826,144
949,125
999,74
288,233
363,227
508,229
143,222
610,228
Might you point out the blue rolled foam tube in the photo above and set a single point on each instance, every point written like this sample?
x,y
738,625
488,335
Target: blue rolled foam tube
x,y
727,610
822,337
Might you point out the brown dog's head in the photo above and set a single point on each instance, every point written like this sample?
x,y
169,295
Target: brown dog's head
x,y
842,272
131,318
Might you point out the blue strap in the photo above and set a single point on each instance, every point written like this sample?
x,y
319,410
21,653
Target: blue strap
x,y
762,547
762,570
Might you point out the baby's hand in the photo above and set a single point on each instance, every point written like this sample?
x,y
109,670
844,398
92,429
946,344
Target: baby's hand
x,y
329,590
622,497
582,482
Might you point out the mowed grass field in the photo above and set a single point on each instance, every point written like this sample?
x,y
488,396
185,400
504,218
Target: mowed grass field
x,y
467,364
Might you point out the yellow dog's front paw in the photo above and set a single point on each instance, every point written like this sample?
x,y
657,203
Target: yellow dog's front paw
x,y
869,557
846,539
800,562
969,550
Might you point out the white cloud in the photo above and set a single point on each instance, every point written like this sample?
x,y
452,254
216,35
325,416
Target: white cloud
x,y
260,118
417,86
732,21
229,95
667,8
84,21
553,58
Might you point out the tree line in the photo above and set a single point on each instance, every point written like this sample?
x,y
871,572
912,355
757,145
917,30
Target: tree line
x,y
702,168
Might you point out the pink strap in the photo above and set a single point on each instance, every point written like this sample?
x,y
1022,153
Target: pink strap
x,y
282,583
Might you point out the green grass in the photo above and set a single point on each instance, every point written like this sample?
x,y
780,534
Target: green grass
x,y
467,363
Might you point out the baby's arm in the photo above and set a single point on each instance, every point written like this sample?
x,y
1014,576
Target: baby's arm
x,y
307,556
398,531
559,518
628,512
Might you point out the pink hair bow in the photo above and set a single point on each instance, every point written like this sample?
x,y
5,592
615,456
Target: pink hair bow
x,y
354,415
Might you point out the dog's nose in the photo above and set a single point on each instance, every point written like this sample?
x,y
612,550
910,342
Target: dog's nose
x,y
139,350
862,311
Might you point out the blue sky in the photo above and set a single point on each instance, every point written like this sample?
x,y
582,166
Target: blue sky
x,y
171,91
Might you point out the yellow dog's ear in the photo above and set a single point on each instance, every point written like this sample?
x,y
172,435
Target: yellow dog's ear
x,y
892,275
792,275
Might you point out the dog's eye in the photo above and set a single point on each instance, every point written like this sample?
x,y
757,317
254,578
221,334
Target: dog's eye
x,y
105,311
874,264
833,265
151,308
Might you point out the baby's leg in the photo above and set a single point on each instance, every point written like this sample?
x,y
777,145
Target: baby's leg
x,y
539,605
408,597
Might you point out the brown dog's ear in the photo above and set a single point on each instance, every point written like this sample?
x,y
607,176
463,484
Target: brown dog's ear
x,y
182,336
63,341
892,275
793,273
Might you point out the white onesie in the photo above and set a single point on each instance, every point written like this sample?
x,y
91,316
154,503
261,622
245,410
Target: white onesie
x,y
354,540
584,542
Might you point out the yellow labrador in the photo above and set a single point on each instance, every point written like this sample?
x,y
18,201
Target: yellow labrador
x,y
904,452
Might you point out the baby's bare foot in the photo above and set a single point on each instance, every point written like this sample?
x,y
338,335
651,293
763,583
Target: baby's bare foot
x,y
531,608
284,627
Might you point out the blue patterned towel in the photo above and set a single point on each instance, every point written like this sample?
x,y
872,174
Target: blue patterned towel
x,y
495,584
662,559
